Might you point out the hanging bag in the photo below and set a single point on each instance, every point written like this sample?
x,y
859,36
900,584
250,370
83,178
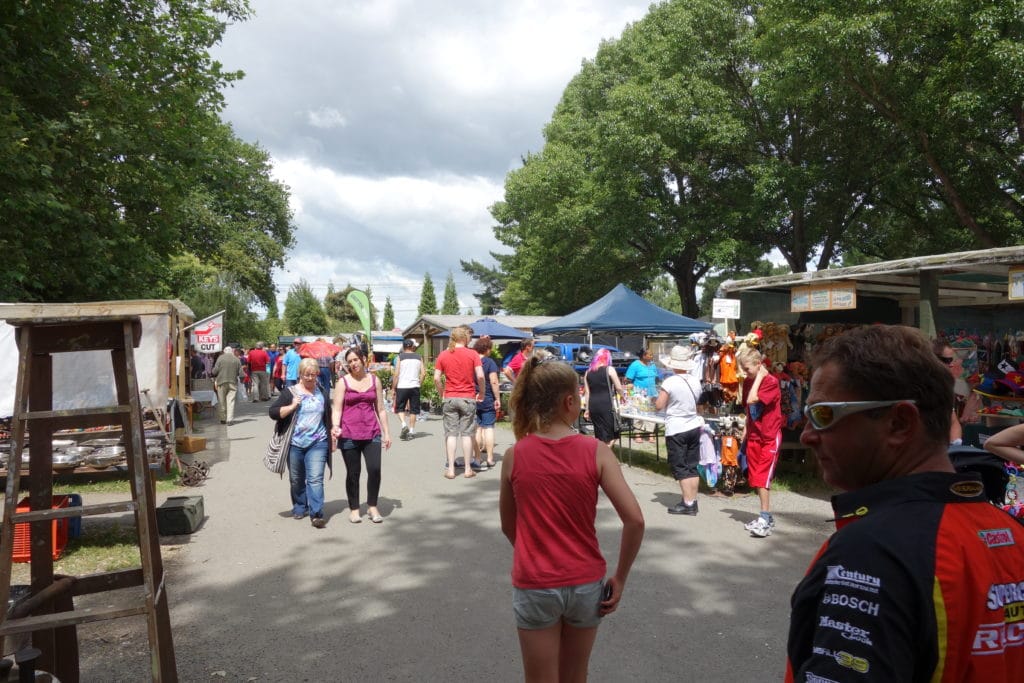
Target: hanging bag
x,y
616,416
276,457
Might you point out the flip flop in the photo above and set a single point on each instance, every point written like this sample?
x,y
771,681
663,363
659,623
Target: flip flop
x,y
448,475
469,475
376,519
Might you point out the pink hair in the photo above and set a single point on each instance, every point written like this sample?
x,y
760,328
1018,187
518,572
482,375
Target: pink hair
x,y
602,357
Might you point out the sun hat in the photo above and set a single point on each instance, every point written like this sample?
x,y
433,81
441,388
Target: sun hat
x,y
679,358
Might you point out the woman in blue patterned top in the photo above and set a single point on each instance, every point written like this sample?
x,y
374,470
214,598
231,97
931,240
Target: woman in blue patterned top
x,y
311,444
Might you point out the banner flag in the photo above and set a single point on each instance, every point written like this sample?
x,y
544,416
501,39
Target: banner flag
x,y
361,304
207,335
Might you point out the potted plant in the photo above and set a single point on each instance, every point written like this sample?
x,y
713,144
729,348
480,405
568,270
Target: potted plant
x,y
428,392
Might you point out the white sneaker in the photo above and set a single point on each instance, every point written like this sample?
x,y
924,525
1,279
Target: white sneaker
x,y
760,527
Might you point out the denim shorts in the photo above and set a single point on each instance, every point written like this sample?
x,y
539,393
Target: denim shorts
x,y
538,608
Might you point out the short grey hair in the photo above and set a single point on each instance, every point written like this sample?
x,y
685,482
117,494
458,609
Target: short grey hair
x,y
259,345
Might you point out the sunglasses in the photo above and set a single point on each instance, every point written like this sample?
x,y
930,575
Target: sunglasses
x,y
948,360
824,415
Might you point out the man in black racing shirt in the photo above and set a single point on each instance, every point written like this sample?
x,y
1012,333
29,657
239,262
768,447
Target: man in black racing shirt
x,y
923,579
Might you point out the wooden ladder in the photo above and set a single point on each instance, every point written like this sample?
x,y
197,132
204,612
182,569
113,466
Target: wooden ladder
x,y
48,615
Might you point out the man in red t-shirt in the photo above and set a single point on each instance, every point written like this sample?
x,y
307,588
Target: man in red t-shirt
x,y
258,362
463,381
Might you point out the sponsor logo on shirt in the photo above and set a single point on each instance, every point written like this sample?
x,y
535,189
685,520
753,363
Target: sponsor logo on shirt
x,y
848,630
844,659
994,639
856,604
1001,594
838,575
967,489
812,677
994,538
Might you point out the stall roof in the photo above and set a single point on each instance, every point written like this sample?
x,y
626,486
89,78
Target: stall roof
x,y
432,324
24,311
967,278
623,310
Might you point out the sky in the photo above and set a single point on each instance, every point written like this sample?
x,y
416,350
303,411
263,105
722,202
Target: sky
x,y
394,123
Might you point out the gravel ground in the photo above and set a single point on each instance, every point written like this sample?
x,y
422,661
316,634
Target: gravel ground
x,y
425,596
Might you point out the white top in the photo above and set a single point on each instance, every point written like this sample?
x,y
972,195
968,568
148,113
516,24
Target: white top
x,y
681,411
408,370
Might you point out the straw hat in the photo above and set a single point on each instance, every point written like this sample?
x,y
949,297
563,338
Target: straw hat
x,y
680,358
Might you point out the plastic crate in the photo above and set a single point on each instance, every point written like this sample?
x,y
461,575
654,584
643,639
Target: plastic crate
x,y
22,551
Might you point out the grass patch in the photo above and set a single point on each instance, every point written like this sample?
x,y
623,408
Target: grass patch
x,y
791,477
111,482
102,547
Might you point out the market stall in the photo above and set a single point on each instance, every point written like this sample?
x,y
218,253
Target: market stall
x,y
82,379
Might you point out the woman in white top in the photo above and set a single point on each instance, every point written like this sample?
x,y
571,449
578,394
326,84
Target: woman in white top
x,y
677,396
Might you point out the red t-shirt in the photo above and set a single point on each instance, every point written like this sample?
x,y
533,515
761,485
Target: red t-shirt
x,y
555,487
258,360
457,366
770,396
516,364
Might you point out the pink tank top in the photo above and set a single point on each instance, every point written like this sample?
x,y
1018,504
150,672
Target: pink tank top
x,y
555,486
359,413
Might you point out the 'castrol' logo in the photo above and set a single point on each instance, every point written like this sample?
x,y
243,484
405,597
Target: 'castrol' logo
x,y
994,538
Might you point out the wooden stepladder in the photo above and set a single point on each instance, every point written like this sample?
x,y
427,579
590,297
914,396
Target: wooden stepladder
x,y
47,616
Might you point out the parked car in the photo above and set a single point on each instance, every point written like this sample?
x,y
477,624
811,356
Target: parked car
x,y
579,355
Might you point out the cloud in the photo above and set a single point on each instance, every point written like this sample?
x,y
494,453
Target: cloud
x,y
394,123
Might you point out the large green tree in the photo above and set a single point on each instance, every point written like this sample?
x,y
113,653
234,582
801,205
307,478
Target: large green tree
x,y
303,313
113,158
492,282
388,323
944,84
428,297
450,303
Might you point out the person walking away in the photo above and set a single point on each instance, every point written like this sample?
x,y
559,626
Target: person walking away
x,y
291,365
245,380
923,579
601,386
763,432
487,409
226,370
409,374
258,365
463,382
272,356
548,506
312,441
326,364
678,398
514,365
361,429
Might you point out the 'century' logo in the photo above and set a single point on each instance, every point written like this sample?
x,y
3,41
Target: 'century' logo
x,y
838,575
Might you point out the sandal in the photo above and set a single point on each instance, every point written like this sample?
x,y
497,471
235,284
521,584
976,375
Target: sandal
x,y
354,518
374,517
449,475
468,475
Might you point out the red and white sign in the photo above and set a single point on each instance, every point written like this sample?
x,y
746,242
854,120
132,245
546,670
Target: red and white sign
x,y
208,335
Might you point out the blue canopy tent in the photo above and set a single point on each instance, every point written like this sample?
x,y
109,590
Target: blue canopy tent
x,y
623,310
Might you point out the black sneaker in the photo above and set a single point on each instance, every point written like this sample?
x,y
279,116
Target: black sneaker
x,y
682,508
319,522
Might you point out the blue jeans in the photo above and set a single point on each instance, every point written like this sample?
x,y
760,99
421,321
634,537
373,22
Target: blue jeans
x,y
306,474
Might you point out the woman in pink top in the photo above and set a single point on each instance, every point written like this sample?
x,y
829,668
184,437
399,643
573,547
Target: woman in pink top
x,y
549,482
360,426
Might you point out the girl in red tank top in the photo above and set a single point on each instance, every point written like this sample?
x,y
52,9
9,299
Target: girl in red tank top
x,y
549,482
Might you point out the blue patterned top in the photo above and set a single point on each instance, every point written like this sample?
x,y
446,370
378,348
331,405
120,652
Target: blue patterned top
x,y
310,426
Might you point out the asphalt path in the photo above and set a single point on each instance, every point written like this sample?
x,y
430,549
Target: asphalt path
x,y
425,596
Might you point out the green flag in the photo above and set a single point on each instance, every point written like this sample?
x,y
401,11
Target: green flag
x,y
361,304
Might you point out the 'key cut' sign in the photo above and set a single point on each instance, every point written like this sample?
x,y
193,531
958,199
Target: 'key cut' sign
x,y
208,334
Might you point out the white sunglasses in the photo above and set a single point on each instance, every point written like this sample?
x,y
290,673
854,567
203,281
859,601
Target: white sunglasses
x,y
825,414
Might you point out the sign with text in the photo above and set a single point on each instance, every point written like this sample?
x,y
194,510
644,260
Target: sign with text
x,y
825,297
208,334
727,309
1016,283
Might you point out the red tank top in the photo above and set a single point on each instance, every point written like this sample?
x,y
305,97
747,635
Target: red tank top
x,y
555,487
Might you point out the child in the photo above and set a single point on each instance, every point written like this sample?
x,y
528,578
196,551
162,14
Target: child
x,y
548,504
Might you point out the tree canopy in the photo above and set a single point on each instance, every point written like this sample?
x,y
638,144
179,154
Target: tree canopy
x,y
114,160
450,303
428,297
714,131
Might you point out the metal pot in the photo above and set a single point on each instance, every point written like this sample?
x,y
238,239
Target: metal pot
x,y
60,444
101,460
66,461
79,451
102,443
